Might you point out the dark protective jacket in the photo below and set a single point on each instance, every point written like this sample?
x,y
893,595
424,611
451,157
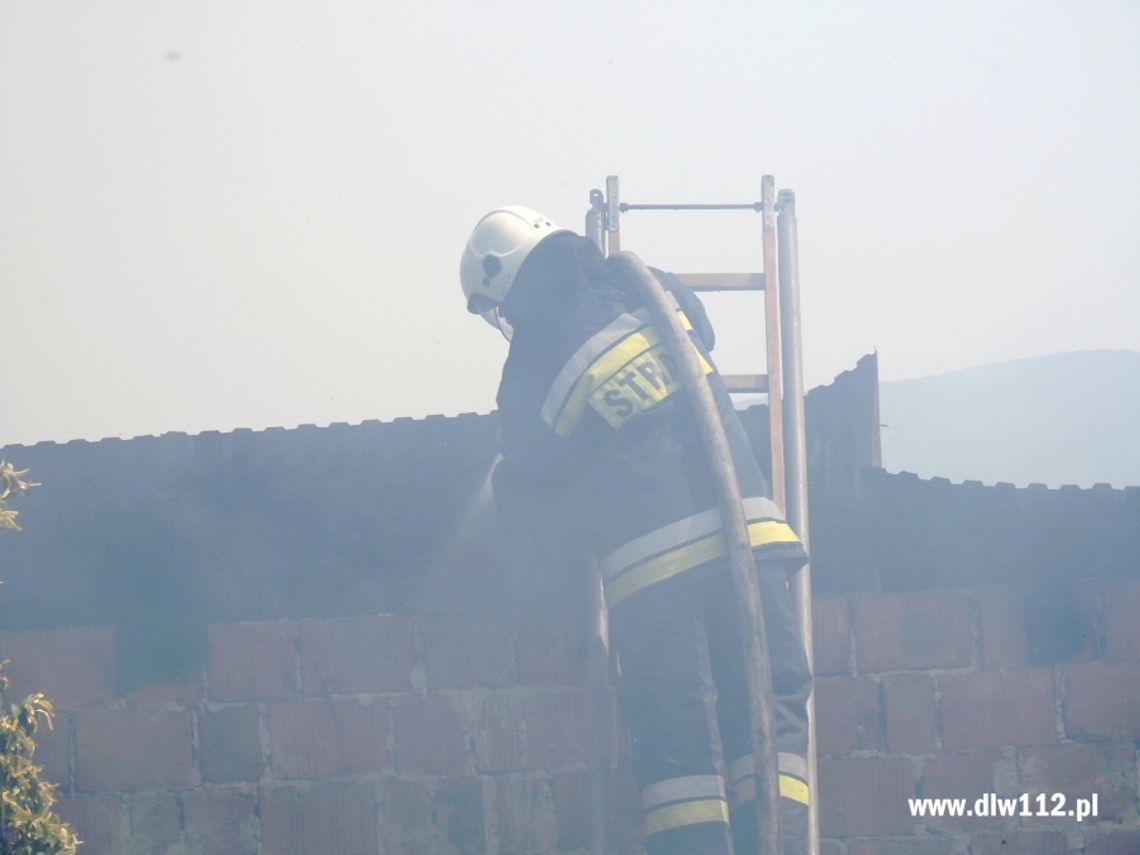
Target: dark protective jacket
x,y
595,427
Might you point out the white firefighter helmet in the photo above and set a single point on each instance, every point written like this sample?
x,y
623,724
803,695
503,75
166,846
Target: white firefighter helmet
x,y
495,252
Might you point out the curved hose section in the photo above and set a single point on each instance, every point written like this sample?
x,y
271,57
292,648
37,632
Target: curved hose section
x,y
739,546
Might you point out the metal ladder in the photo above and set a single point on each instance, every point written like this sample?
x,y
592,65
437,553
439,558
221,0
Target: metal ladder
x,y
782,382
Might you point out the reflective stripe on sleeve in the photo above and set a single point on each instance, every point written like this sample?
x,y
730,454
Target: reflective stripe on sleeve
x,y
792,778
689,800
680,546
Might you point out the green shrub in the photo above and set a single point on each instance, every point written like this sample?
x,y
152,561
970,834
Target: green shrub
x,y
28,826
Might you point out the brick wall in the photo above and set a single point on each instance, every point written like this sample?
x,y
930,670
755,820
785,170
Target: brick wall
x,y
445,734
365,734
934,693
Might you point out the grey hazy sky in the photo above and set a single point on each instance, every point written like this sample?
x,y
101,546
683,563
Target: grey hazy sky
x,y
216,215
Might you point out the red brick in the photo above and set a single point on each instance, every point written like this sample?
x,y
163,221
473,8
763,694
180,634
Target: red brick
x,y
182,693
133,750
1122,619
252,661
371,653
100,821
900,846
1020,843
462,651
522,811
847,714
74,666
1080,769
830,629
1002,626
533,730
408,813
919,629
552,652
1110,843
419,815
965,776
221,822
337,819
156,822
322,738
229,745
428,735
460,813
626,818
1103,699
909,707
558,730
864,796
572,802
572,807
53,750
1065,624
1091,619
500,736
988,710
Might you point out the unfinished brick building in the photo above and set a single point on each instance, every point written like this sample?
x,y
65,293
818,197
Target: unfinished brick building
x,y
268,642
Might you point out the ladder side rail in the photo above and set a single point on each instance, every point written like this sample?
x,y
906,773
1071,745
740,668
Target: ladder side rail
x,y
772,340
795,456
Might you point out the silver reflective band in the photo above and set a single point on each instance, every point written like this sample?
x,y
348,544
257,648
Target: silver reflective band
x,y
617,329
740,769
584,357
682,789
679,533
792,764
786,763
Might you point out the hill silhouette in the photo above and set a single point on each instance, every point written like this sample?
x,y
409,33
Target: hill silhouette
x,y
1068,418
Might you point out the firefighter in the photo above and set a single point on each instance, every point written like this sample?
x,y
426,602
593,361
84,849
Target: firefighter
x,y
595,429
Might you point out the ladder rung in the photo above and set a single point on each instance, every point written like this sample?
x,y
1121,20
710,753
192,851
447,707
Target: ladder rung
x,y
723,281
745,382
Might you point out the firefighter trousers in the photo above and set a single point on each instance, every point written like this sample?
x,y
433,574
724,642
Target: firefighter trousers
x,y
684,696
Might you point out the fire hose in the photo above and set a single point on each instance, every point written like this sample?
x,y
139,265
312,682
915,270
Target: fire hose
x,y
738,545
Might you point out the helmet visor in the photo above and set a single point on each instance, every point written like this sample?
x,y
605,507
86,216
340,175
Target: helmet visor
x,y
495,318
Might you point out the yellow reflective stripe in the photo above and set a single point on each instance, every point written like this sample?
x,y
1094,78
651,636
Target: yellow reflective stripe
x,y
686,813
660,541
794,789
600,370
603,368
790,788
690,555
679,532
591,349
639,385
